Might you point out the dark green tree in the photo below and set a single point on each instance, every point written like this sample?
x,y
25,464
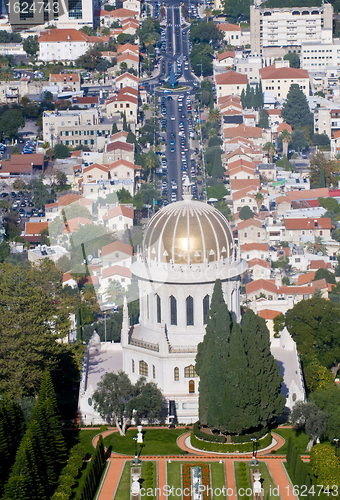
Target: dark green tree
x,y
31,45
209,362
61,151
313,324
246,213
243,98
5,250
125,127
295,110
114,128
10,122
326,274
327,399
248,97
293,58
202,32
298,141
217,170
264,122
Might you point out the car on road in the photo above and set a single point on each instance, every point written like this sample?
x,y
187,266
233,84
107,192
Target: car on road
x,y
172,150
172,142
173,117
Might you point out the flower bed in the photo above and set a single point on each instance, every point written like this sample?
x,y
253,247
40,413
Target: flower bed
x,y
230,448
186,479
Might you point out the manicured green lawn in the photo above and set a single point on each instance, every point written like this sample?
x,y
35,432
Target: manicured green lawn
x,y
123,490
268,484
155,442
218,479
81,436
174,479
299,437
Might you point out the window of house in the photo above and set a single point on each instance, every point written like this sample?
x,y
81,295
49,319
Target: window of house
x,y
245,235
190,310
153,371
159,311
176,374
189,371
321,233
206,306
133,365
143,368
173,310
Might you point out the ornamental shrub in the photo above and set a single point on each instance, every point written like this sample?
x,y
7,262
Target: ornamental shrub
x,y
325,465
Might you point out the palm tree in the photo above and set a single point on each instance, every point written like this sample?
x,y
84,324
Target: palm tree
x,y
286,138
214,115
270,149
115,292
207,12
316,246
259,199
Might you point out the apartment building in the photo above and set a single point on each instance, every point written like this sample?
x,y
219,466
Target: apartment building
x,y
289,27
279,77
74,127
316,56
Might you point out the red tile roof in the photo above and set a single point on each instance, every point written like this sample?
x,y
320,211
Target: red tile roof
x,y
97,166
74,77
127,46
317,264
308,194
226,54
242,131
116,270
268,314
118,13
251,184
118,163
306,278
284,126
113,146
256,285
248,223
231,78
117,246
304,223
120,210
272,73
228,27
261,247
127,75
258,262
33,228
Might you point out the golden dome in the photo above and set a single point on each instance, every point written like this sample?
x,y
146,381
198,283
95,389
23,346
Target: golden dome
x,y
188,232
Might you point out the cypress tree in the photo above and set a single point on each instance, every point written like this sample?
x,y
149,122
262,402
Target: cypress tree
x,y
125,127
24,482
205,351
217,170
114,128
11,433
322,181
260,95
264,383
248,97
243,99
252,98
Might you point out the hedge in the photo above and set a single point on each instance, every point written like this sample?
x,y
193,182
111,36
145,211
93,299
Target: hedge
x,y
70,473
298,469
93,472
325,465
230,448
217,438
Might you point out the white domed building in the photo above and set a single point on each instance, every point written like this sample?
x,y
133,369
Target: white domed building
x,y
187,246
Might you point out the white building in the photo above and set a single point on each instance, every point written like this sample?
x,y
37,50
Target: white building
x,y
316,56
289,27
187,246
65,44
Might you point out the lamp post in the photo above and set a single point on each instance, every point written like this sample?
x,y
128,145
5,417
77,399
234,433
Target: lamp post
x,y
254,461
138,439
336,441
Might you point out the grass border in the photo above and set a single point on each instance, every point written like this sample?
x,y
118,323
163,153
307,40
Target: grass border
x,y
202,445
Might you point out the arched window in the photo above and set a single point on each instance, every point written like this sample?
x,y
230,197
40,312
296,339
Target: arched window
x,y
159,311
205,309
173,310
133,365
176,374
147,306
191,386
143,368
189,371
153,371
190,310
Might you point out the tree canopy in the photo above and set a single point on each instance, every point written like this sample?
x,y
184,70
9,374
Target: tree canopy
x,y
238,361
295,110
246,213
116,398
314,325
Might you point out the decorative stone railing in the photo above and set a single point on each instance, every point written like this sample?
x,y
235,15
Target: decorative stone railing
x,y
182,349
144,345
